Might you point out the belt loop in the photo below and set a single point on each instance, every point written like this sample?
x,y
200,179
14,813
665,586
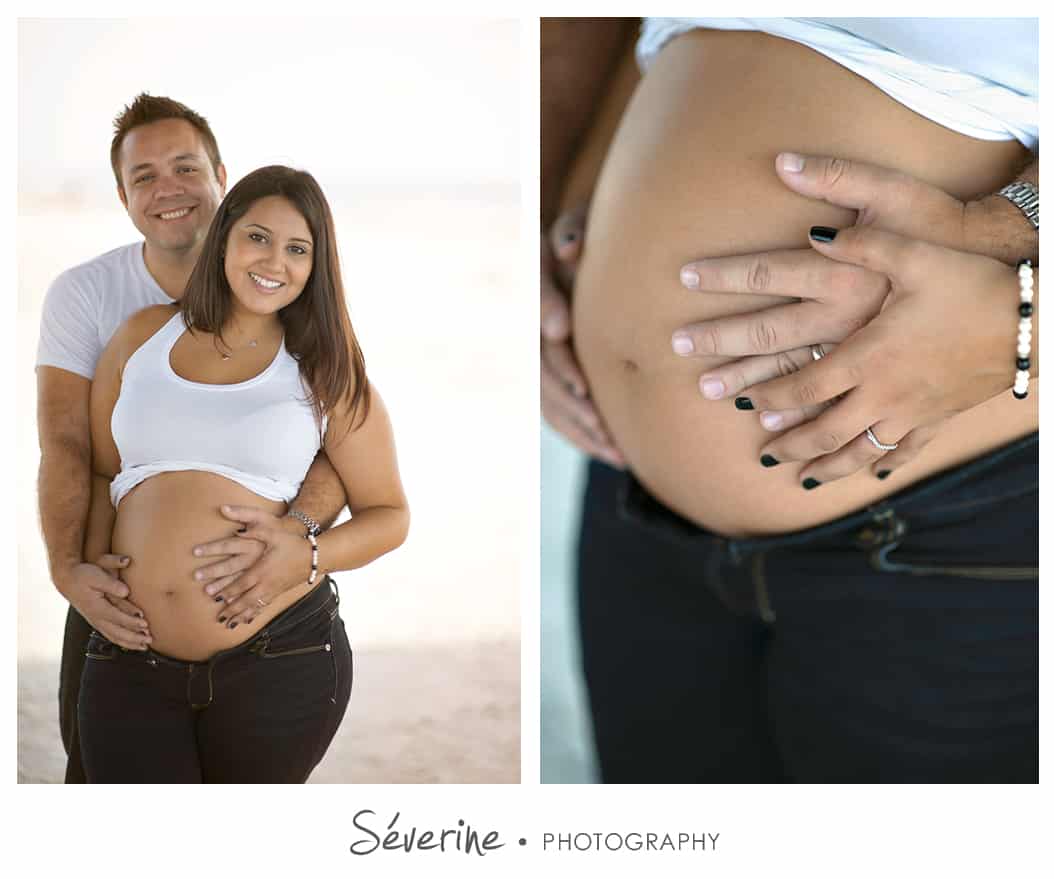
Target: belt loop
x,y
190,677
761,589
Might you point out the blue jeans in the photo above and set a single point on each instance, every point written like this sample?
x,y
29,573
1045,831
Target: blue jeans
x,y
896,644
263,711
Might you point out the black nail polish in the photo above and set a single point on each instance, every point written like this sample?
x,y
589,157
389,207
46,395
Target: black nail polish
x,y
824,234
882,474
233,625
744,403
768,461
809,484
569,237
223,619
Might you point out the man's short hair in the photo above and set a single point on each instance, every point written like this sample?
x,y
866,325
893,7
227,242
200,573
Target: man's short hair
x,y
151,108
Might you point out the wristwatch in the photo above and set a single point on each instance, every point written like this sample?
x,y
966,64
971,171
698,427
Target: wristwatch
x,y
1026,197
313,528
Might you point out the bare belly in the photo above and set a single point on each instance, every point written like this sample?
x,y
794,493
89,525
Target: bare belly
x,y
690,174
158,524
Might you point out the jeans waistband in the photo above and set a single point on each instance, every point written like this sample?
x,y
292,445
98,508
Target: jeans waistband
x,y
1008,472
318,599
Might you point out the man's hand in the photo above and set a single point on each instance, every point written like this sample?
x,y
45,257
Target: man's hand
x,y
837,298
101,599
264,560
565,395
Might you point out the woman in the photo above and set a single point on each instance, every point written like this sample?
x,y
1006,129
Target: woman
x,y
769,632
233,390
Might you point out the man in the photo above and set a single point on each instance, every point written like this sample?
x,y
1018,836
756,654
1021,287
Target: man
x,y
170,179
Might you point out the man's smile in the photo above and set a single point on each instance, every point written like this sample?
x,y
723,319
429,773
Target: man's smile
x,y
176,214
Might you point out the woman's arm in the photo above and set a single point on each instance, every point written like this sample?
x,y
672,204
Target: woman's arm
x,y
365,459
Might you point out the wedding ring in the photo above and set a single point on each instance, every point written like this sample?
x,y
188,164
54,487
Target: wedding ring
x,y
885,447
817,352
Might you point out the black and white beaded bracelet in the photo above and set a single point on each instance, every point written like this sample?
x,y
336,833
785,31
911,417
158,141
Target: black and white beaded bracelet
x,y
314,558
1024,329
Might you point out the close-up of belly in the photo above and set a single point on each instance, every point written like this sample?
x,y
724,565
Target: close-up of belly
x,y
157,525
690,173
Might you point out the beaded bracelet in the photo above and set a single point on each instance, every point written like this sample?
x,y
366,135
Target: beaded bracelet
x,y
1024,329
314,558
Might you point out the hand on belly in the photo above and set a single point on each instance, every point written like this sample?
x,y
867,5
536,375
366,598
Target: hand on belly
x,y
158,524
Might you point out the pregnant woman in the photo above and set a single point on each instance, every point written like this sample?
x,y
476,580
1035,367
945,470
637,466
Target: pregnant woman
x,y
737,627
234,389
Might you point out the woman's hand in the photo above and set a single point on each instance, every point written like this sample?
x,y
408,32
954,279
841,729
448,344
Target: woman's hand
x,y
280,560
945,341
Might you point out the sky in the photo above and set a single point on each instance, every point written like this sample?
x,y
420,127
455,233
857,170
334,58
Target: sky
x,y
390,101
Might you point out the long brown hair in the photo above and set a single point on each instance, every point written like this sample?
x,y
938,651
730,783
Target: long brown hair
x,y
318,331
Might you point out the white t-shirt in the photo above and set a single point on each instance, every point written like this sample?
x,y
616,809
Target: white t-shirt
x,y
85,305
977,76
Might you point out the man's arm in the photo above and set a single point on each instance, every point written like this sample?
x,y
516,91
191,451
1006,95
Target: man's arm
x,y
64,478
578,59
322,494
995,226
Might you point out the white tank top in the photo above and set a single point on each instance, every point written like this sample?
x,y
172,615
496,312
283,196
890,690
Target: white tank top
x,y
261,433
977,76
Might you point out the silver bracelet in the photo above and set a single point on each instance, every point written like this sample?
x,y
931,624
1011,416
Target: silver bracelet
x,y
1024,329
1026,197
310,524
314,558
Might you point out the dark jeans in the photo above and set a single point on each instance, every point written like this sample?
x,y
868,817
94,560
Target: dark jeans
x,y
264,711
897,644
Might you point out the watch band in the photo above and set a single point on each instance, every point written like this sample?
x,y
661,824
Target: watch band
x,y
1026,197
313,528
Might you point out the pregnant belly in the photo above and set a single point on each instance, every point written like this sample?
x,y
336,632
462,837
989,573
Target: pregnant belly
x,y
158,524
690,174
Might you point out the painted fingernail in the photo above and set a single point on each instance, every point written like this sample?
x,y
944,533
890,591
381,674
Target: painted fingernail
x,y
792,162
690,278
233,625
682,345
771,421
243,529
744,403
223,619
809,484
768,461
823,234
569,237
219,599
712,388
882,474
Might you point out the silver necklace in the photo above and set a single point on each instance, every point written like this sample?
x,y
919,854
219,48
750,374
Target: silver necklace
x,y
223,356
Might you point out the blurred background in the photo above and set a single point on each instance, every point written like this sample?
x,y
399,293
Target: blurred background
x,y
411,127
566,733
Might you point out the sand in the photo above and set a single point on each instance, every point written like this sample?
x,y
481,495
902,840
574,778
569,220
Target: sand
x,y
417,716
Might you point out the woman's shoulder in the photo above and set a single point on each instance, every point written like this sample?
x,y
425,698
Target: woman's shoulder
x,y
141,326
